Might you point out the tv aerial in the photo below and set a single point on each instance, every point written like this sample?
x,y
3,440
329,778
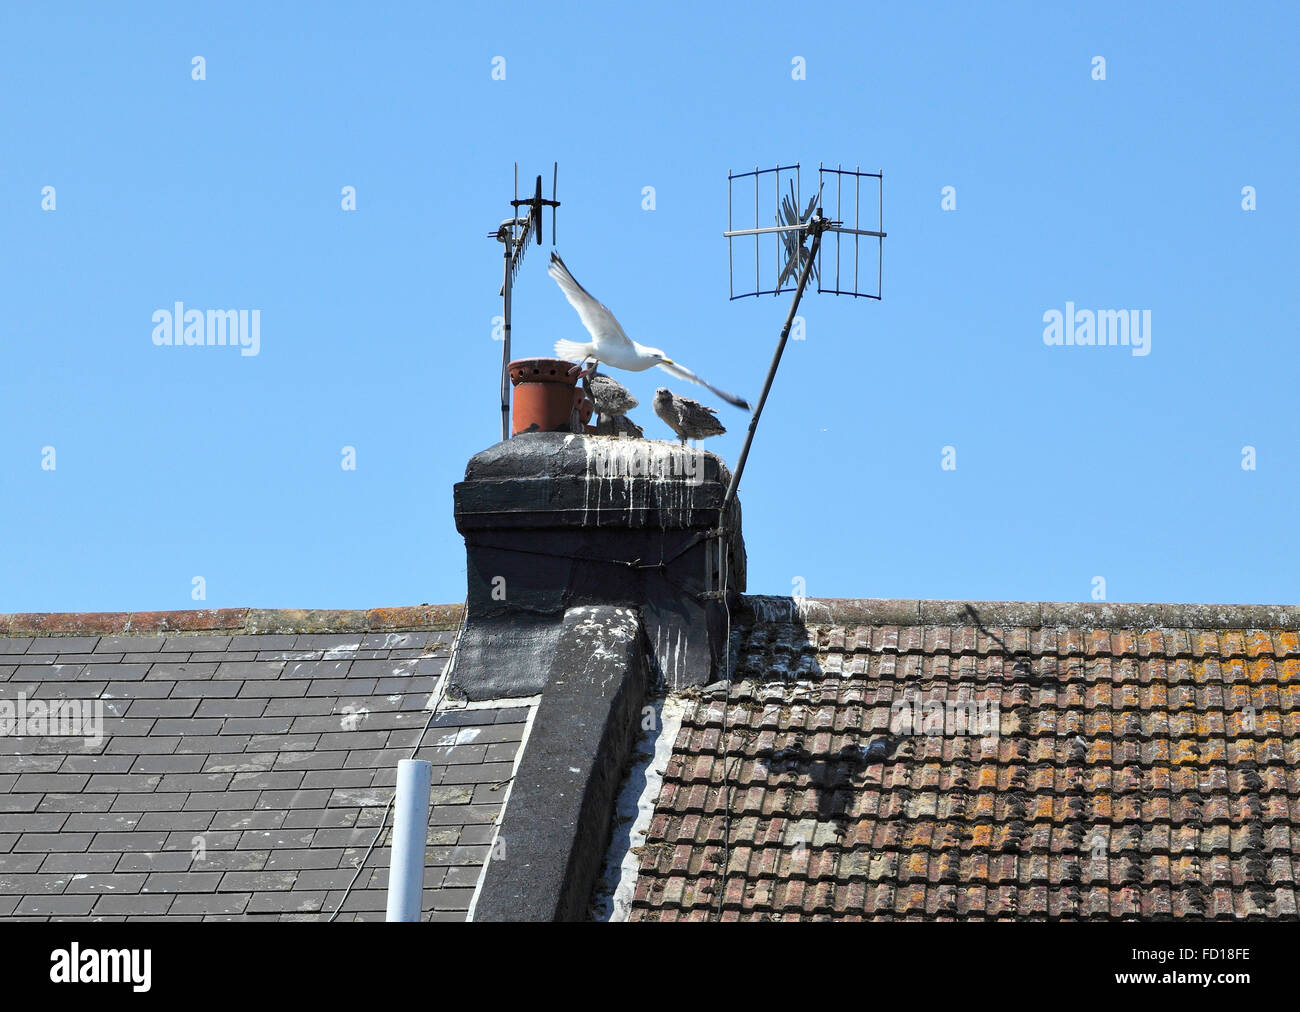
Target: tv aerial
x,y
799,250
515,233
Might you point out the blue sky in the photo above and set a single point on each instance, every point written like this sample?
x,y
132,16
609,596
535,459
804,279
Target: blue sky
x,y
1072,462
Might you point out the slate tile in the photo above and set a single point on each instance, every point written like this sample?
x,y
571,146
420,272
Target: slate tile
x,y
414,684
181,882
26,864
277,839
189,725
160,861
135,690
356,687
142,905
217,903
382,669
75,906
67,644
331,671
26,822
359,797
230,708
98,764
263,780
297,901
50,672
332,779
207,690
163,708
297,860
285,742
191,643
50,782
308,881
159,764
328,818
170,802
234,860
459,815
48,842
257,725
123,783
272,690
181,671
139,644
211,743
220,801
114,672
452,899
25,885
177,822
212,840
299,706
484,833
293,799
102,822
263,641
257,881
501,752
241,820
353,740
74,803
124,842
122,884
339,838
484,773
144,746
248,670
66,690
238,762
195,781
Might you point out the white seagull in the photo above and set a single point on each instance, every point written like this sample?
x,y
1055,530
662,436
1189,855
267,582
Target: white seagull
x,y
608,342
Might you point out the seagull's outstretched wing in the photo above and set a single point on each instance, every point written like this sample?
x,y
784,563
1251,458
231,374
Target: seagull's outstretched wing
x,y
680,371
598,320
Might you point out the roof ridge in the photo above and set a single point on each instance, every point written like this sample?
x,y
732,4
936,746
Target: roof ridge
x,y
1027,614
232,620
759,607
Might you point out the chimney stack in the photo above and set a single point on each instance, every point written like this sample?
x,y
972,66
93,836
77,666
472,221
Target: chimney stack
x,y
555,521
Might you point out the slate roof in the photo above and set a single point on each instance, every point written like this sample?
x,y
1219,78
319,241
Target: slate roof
x,y
261,739
1146,765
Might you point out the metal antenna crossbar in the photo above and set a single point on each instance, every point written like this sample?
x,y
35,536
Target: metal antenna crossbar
x,y
815,227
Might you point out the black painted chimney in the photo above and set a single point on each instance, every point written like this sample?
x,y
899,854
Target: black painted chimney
x,y
554,521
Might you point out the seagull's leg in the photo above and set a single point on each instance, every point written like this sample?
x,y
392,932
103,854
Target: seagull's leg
x,y
586,389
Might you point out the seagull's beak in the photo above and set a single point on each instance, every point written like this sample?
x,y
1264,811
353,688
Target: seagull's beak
x,y
669,361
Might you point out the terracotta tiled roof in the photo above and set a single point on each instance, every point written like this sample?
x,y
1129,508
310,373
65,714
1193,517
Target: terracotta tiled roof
x,y
1132,771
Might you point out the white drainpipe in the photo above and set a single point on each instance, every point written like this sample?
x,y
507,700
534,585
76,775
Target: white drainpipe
x,y
410,830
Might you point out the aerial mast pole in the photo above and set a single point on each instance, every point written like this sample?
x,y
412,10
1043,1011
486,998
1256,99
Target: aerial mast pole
x,y
514,234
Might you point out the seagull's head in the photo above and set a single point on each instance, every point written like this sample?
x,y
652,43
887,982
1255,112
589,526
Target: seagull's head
x,y
656,356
